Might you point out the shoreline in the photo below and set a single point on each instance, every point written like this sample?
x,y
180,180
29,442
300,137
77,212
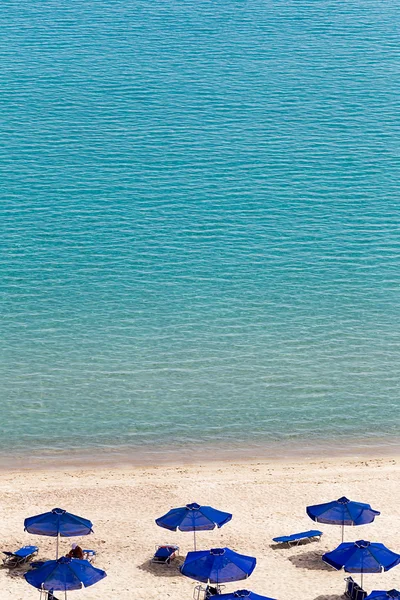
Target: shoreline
x,y
98,458
106,460
277,464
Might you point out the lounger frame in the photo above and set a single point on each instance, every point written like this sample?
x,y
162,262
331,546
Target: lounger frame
x,y
168,559
202,592
89,555
296,538
353,590
20,557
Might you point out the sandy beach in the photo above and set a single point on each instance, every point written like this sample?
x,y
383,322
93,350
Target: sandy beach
x,y
267,499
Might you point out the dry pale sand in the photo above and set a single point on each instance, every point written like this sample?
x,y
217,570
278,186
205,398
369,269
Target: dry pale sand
x,y
267,499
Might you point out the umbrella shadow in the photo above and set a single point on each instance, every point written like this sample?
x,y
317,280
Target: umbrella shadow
x,y
311,561
160,570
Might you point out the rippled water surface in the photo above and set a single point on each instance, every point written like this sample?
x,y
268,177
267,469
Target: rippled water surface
x,y
199,224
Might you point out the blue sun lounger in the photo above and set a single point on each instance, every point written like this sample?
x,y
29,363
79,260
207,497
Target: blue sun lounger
x,y
165,554
20,557
296,538
89,555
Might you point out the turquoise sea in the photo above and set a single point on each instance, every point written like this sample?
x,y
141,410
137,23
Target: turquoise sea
x,y
199,227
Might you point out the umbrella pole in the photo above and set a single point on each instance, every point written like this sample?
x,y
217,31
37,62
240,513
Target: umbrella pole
x,y
194,538
58,537
342,533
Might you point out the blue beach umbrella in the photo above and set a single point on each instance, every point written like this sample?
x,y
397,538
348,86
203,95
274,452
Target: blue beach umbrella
x,y
193,517
380,595
241,594
342,512
64,574
56,523
218,565
362,557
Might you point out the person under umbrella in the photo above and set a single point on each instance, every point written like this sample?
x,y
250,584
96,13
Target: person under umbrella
x,y
64,574
218,565
76,552
193,517
362,557
56,523
342,512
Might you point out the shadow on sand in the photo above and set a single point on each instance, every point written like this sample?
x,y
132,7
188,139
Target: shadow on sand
x,y
342,597
19,572
304,542
311,561
163,570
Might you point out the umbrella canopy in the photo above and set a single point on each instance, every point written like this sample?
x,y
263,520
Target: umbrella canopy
x,y
241,594
379,595
362,557
218,565
193,517
56,523
342,512
64,574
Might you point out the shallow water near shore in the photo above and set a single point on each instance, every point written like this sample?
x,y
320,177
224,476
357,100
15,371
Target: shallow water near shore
x,y
199,227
